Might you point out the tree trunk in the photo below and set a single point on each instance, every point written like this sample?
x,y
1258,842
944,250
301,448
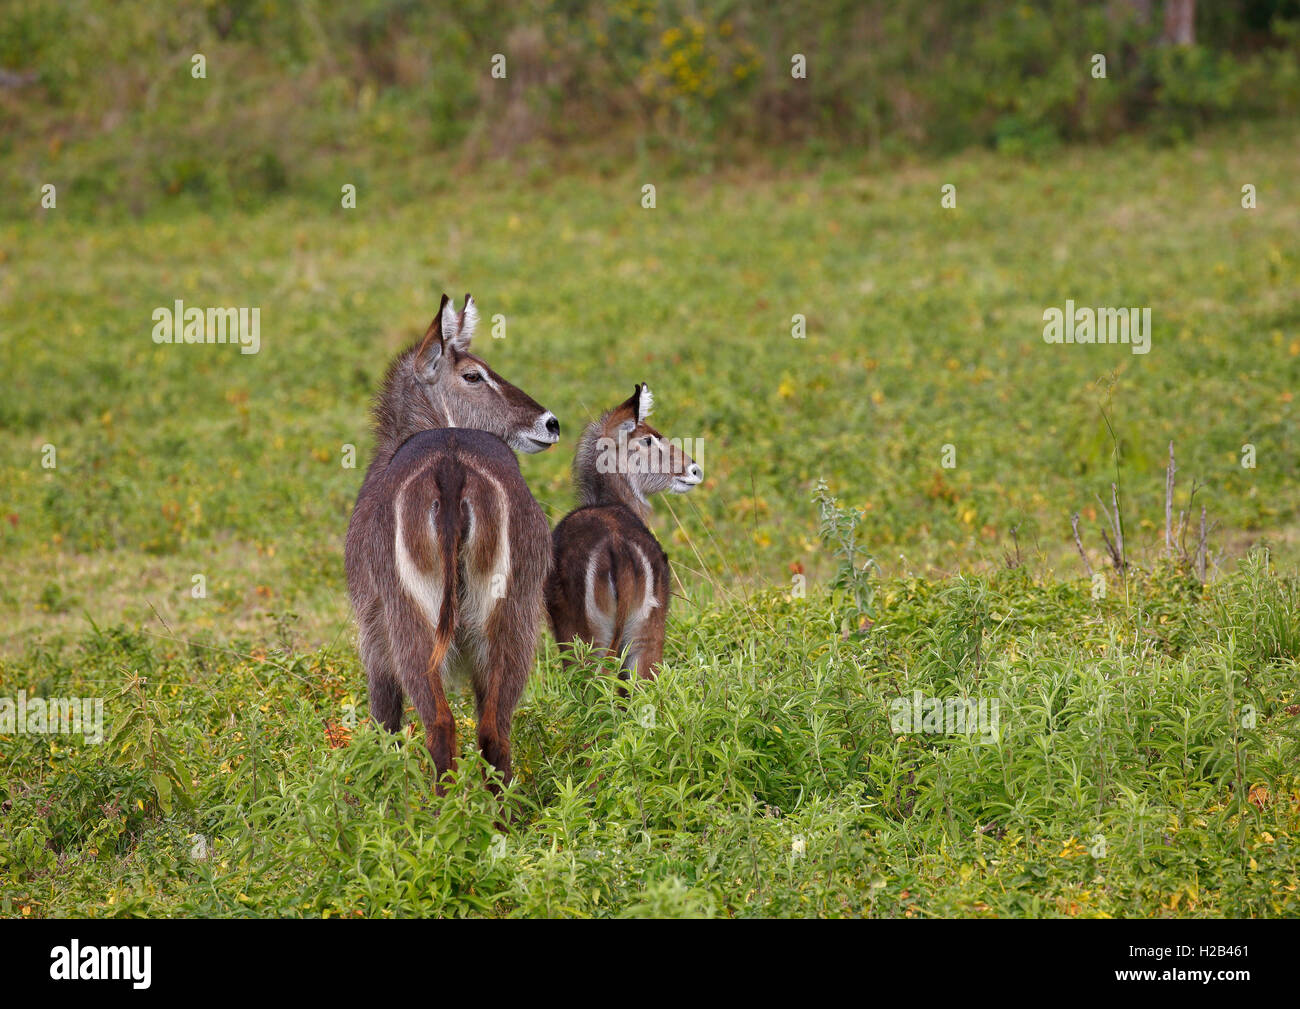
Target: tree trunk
x,y
1180,22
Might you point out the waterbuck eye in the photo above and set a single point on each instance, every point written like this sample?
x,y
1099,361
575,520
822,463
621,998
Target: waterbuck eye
x,y
647,441
472,377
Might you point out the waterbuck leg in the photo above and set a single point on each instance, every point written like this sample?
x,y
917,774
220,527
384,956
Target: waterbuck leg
x,y
385,701
563,624
497,689
650,646
411,645
439,726
385,690
566,630
645,656
495,709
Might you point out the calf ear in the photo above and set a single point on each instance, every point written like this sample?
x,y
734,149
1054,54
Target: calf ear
x,y
644,404
430,350
466,323
633,403
639,405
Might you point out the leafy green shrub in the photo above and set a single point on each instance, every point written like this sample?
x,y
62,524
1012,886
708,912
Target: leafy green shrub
x,y
760,774
696,83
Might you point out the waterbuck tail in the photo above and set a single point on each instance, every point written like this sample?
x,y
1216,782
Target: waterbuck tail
x,y
622,572
449,529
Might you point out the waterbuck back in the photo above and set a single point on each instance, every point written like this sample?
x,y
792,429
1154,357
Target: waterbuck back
x,y
609,581
447,551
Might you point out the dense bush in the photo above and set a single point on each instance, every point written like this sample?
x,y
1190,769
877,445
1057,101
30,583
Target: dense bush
x,y
1143,763
292,89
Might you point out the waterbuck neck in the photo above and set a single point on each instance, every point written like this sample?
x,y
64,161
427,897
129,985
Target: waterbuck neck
x,y
597,488
402,409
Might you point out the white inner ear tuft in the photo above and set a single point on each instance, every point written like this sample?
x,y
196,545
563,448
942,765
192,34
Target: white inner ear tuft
x,y
469,320
450,324
644,404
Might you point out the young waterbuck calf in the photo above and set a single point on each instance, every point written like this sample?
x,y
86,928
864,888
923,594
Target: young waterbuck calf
x,y
609,580
447,552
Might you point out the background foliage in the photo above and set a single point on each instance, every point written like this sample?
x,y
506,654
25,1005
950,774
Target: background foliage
x,y
298,91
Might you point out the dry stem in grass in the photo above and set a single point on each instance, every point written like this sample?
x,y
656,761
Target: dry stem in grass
x,y
1074,524
1114,547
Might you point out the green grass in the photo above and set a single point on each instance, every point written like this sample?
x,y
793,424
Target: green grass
x,y
759,775
1122,719
924,329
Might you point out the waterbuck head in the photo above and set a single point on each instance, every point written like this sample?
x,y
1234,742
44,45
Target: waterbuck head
x,y
622,459
439,383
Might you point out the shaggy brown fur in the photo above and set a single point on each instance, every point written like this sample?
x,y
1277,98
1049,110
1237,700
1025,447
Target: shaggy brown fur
x,y
609,581
447,552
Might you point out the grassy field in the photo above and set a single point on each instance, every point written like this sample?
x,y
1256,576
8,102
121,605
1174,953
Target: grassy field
x,y
1145,757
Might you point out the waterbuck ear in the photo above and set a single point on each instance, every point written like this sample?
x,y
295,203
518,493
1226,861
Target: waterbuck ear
x,y
430,349
633,403
466,324
644,404
450,325
639,405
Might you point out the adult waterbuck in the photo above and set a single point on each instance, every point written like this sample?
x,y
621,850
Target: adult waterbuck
x,y
447,552
609,581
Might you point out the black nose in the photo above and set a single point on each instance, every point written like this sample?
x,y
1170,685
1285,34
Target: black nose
x,y
553,425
